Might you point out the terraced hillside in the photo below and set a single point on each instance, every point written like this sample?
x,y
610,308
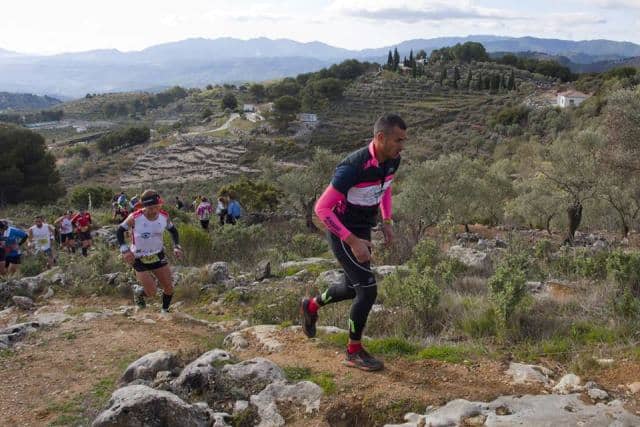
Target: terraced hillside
x,y
191,158
441,119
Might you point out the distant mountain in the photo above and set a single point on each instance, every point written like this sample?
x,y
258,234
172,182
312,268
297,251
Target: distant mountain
x,y
197,62
25,101
582,52
595,64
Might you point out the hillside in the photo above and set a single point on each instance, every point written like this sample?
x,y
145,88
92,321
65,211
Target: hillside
x,y
25,101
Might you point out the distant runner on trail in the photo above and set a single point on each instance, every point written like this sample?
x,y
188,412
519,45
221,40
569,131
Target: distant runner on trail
x,y
146,253
203,212
13,238
41,235
82,223
349,209
65,224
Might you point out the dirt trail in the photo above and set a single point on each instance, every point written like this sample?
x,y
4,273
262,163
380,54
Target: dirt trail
x,y
65,369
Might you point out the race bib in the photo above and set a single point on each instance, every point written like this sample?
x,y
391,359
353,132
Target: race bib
x,y
43,242
150,259
84,229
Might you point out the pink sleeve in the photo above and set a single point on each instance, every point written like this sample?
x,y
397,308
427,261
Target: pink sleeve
x,y
324,209
385,204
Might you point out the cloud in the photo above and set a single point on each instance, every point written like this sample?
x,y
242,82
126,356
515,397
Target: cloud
x,y
416,11
616,4
578,18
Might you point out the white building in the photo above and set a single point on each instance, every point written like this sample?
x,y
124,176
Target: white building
x,y
308,117
570,98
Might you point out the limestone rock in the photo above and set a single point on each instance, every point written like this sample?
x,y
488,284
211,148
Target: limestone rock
x,y
597,394
217,272
304,393
570,383
148,366
51,319
251,376
523,374
200,374
528,410
472,258
235,341
139,405
15,333
330,278
263,270
385,270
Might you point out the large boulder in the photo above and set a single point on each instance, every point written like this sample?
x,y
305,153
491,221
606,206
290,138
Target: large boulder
x,y
148,366
330,278
139,405
471,258
14,333
527,410
201,373
217,272
107,234
251,376
304,393
30,286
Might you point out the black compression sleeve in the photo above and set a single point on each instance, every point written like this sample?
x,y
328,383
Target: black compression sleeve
x,y
120,235
174,235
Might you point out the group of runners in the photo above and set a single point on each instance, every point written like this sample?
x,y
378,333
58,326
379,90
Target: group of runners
x,y
348,209
228,210
70,228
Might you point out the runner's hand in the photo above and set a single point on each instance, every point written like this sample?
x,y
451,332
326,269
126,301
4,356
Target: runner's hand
x,y
128,257
361,248
387,231
178,253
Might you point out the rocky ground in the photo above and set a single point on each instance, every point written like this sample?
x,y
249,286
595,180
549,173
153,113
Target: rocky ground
x,y
77,361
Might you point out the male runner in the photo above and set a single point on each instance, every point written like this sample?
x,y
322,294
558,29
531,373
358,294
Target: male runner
x,y
349,209
40,236
146,253
13,238
82,222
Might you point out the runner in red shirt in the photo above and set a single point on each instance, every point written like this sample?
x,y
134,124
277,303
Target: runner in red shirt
x,y
82,222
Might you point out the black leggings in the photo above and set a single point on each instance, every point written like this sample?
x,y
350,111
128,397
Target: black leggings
x,y
359,284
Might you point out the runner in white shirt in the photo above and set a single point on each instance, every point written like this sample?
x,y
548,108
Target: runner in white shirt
x,y
146,252
67,239
40,236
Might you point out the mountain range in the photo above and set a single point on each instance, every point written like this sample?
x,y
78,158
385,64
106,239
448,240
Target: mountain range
x,y
197,62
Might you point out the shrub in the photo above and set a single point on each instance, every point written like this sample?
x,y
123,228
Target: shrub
x,y
416,291
307,245
624,269
99,196
426,254
507,287
122,138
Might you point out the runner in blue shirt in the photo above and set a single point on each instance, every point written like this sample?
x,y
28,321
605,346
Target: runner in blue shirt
x,y
13,238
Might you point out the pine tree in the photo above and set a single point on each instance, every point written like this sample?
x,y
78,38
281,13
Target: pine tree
x,y
396,59
390,61
469,78
456,77
511,83
405,62
411,60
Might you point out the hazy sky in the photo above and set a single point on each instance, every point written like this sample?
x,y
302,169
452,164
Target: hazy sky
x,y
45,26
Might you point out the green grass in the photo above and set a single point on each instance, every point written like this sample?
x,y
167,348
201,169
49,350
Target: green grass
x,y
396,346
445,353
323,379
70,412
102,390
